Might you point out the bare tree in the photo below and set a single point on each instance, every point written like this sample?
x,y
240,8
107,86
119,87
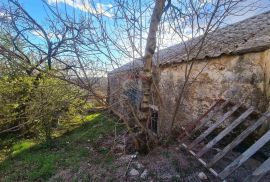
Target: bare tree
x,y
81,47
55,47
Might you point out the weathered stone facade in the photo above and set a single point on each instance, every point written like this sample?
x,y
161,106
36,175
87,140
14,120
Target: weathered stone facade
x,y
240,72
241,78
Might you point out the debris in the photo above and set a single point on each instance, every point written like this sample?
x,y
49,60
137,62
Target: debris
x,y
125,158
134,156
166,177
120,147
138,165
130,160
144,174
202,176
134,172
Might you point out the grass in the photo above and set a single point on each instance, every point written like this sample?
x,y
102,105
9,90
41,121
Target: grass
x,y
33,161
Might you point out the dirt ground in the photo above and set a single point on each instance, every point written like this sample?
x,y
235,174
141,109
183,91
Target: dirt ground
x,y
171,163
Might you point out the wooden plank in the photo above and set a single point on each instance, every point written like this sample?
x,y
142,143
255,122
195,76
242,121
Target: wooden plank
x,y
214,126
227,130
245,156
260,172
210,116
239,139
200,160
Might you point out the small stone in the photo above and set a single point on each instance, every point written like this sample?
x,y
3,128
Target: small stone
x,y
144,174
166,177
202,176
120,147
134,156
138,165
118,154
134,172
125,158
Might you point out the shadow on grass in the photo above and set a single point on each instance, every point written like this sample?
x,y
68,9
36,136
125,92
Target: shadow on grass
x,y
32,162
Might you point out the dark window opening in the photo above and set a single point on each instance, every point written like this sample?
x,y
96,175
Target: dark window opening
x,y
153,125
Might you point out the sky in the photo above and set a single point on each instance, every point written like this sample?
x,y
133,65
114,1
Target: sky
x,y
37,10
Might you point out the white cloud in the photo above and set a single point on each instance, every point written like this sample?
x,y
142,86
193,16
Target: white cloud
x,y
84,5
4,16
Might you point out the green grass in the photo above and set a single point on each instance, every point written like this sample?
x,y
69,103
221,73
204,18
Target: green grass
x,y
33,161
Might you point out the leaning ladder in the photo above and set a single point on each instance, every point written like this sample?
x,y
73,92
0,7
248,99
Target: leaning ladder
x,y
257,174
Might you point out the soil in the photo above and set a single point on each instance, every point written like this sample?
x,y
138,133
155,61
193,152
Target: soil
x,y
171,163
162,164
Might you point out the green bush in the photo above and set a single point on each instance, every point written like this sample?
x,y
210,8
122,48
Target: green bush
x,y
34,105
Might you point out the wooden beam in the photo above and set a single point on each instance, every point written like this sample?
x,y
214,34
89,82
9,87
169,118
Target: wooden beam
x,y
239,139
200,160
214,126
210,116
261,171
227,130
245,156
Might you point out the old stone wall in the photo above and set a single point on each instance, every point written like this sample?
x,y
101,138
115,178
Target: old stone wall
x,y
267,73
240,78
124,87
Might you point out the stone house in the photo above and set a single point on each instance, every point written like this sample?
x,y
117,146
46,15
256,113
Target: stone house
x,y
234,63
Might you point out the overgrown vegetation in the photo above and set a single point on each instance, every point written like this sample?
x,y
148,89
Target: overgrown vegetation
x,y
31,106
31,160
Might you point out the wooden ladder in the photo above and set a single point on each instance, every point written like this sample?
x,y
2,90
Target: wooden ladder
x,y
257,174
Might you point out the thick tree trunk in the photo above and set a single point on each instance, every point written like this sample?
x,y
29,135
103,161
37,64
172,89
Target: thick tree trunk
x,y
146,75
144,140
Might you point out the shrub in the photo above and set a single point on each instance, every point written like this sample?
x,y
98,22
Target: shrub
x,y
34,105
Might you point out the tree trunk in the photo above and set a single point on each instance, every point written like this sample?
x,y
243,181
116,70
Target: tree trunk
x,y
144,138
146,75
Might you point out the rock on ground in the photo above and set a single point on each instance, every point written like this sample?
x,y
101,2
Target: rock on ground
x,y
144,174
133,172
